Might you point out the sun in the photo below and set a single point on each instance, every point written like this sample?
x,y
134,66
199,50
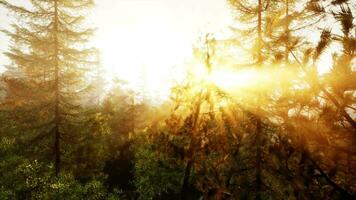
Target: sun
x,y
147,43
146,64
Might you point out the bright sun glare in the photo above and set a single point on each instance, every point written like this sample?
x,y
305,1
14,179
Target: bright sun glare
x,y
239,80
147,43
229,79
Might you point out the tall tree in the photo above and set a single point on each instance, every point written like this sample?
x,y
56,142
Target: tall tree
x,y
253,12
50,60
319,120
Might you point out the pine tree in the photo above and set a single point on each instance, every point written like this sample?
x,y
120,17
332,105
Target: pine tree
x,y
49,65
337,87
253,15
318,119
272,27
342,69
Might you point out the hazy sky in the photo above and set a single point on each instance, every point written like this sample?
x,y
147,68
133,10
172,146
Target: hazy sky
x,y
146,42
148,38
152,37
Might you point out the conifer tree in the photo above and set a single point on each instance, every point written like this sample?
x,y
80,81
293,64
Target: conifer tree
x,y
253,14
267,24
49,65
317,121
336,110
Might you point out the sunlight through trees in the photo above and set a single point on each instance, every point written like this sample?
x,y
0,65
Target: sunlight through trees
x,y
264,110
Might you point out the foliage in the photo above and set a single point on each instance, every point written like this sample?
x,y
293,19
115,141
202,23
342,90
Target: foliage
x,y
293,137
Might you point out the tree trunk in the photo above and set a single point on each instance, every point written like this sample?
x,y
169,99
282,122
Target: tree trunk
x,y
186,179
259,32
258,158
57,152
258,120
193,141
286,52
190,154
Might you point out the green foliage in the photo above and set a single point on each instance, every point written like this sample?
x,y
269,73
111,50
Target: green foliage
x,y
34,180
156,173
294,141
48,78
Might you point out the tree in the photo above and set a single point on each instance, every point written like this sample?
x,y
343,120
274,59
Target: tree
x,y
125,117
251,12
334,109
48,74
319,128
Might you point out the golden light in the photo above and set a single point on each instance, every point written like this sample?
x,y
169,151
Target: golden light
x,y
230,79
147,43
246,81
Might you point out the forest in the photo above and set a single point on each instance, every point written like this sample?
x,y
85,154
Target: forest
x,y
265,112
